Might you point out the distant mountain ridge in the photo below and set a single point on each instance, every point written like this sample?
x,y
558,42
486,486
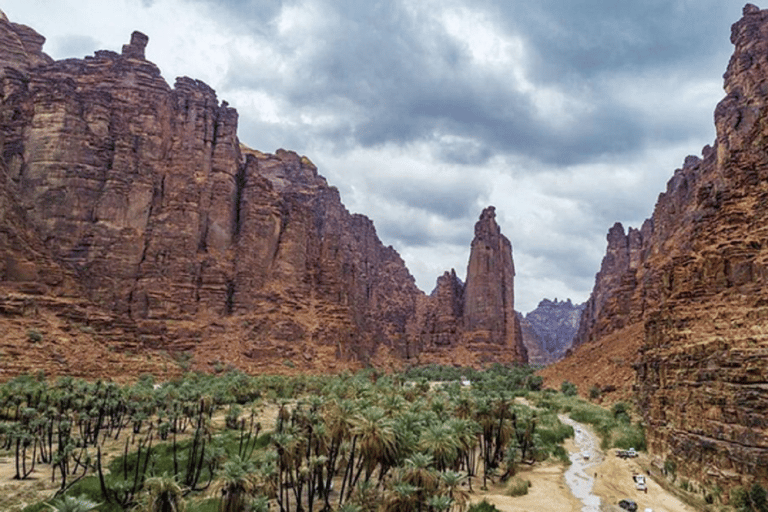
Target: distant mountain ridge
x,y
551,329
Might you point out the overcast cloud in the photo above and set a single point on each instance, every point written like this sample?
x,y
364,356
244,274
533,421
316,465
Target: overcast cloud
x,y
567,116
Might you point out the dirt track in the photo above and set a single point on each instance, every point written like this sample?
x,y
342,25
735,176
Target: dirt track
x,y
549,491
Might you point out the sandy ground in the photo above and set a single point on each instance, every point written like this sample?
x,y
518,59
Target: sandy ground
x,y
549,490
614,482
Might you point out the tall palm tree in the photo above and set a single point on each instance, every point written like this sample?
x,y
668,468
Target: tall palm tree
x,y
418,472
440,441
466,432
376,440
451,481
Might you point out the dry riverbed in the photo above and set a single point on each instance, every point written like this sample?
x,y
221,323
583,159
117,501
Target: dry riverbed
x,y
575,488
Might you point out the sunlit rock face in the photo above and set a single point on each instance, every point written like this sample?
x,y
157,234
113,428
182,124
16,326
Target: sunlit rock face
x,y
139,199
696,278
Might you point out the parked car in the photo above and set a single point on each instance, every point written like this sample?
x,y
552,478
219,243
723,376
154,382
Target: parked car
x,y
628,505
639,482
626,454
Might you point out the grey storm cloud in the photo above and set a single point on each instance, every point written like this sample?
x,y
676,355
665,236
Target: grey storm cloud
x,y
591,37
74,45
403,78
452,201
416,232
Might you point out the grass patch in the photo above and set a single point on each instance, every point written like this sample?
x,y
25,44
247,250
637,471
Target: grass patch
x,y
483,506
614,426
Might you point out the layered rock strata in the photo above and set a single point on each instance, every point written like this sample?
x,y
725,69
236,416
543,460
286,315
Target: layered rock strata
x,y
477,315
695,277
189,241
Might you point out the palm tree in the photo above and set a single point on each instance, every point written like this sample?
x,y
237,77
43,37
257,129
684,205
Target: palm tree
x,y
401,498
452,484
439,503
466,432
376,440
417,472
71,504
238,485
163,494
365,498
440,441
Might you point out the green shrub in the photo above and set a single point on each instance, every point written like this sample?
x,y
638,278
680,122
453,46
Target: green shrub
x,y
670,466
232,419
569,388
535,382
594,392
483,506
754,500
620,412
34,336
626,436
561,454
518,487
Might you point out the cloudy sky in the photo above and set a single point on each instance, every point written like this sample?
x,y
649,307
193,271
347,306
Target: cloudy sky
x,y
567,115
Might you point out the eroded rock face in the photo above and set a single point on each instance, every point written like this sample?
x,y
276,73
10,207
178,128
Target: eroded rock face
x,y
188,241
479,315
144,191
696,278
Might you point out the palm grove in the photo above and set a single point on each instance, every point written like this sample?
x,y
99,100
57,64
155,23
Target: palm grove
x,y
365,442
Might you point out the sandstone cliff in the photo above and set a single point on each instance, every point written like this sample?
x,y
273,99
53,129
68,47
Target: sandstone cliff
x,y
689,289
138,200
476,320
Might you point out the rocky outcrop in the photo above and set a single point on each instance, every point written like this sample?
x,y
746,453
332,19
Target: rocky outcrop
x,y
551,328
20,46
613,303
478,316
694,277
191,242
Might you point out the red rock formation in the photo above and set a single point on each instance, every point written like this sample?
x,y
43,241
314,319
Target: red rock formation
x,y
20,46
695,278
478,316
187,241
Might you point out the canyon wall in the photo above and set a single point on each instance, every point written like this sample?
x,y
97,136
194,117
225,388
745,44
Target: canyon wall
x,y
695,279
138,198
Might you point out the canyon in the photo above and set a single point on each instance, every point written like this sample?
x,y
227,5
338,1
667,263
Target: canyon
x,y
677,315
135,223
139,235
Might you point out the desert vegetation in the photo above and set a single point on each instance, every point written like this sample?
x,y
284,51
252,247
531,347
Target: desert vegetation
x,y
420,440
